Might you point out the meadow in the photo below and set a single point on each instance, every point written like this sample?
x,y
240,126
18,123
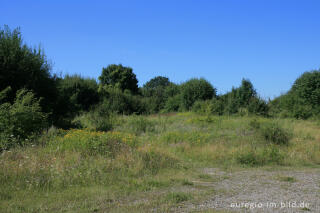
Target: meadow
x,y
148,163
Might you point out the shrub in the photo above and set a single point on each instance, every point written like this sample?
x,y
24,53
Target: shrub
x,y
194,90
117,101
217,106
155,95
248,158
269,154
22,66
258,106
307,87
274,133
93,143
95,120
272,154
302,101
244,100
178,197
173,104
76,94
21,120
201,107
119,76
154,160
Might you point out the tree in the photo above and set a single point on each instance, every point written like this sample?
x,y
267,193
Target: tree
x,y
194,90
154,93
77,94
245,92
303,99
307,87
157,82
21,120
25,67
115,100
119,76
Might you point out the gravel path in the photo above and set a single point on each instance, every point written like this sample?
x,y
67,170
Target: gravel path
x,y
260,190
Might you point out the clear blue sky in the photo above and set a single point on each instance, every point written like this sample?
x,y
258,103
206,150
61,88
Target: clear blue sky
x,y
271,42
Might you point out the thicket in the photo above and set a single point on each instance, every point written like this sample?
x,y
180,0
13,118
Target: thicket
x,y
42,99
21,120
302,101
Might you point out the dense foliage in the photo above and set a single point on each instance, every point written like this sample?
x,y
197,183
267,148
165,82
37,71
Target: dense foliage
x,y
119,76
155,93
77,94
25,67
32,97
21,120
194,90
303,99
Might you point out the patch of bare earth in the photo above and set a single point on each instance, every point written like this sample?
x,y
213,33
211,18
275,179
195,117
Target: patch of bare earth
x,y
261,190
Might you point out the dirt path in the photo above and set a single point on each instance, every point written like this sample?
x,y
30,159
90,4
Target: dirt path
x,y
261,190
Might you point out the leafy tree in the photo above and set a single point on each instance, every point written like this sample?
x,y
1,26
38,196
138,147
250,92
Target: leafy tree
x,y
20,120
25,67
77,94
303,99
244,99
154,93
119,76
123,102
173,104
157,82
194,90
245,93
307,87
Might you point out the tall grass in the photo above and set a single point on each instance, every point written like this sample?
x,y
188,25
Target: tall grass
x,y
143,154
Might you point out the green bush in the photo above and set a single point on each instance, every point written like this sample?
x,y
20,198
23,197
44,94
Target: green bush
x,y
76,94
194,90
178,197
258,106
115,100
26,67
154,161
173,104
20,121
249,158
155,95
303,99
91,143
201,107
265,155
274,133
244,101
120,77
95,120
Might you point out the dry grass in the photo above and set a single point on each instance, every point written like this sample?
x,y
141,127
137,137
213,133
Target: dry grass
x,y
87,171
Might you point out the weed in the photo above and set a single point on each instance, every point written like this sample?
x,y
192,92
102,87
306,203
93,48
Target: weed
x,y
177,197
186,182
287,179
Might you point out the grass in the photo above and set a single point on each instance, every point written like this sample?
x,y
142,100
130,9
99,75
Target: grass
x,y
287,179
146,162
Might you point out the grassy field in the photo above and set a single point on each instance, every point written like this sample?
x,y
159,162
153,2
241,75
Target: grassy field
x,y
148,163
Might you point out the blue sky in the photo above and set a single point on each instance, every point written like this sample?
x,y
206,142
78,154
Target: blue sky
x,y
270,42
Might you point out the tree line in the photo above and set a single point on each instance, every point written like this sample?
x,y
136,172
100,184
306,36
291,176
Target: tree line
x,y
31,96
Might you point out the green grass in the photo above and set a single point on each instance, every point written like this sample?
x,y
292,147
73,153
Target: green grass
x,y
146,162
287,179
